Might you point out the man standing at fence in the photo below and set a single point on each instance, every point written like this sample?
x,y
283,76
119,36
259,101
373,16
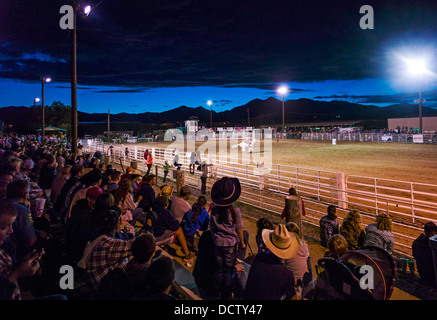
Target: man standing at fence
x,y
149,162
203,176
294,210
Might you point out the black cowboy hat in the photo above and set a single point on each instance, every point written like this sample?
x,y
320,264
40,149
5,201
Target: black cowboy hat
x,y
225,191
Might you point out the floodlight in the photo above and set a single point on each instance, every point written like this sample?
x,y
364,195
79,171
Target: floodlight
x,y
87,10
282,90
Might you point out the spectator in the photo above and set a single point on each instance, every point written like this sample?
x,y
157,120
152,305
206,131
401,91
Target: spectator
x,y
75,174
166,168
352,230
167,229
180,205
89,180
86,161
86,205
160,278
13,164
204,176
300,264
146,195
10,275
380,234
108,252
124,199
80,227
5,178
128,174
261,224
294,209
149,162
24,238
59,181
125,284
205,268
135,180
47,175
195,222
337,246
192,162
113,181
167,190
25,168
328,226
227,231
423,255
269,278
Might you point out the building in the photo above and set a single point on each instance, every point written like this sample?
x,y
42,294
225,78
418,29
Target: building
x,y
412,124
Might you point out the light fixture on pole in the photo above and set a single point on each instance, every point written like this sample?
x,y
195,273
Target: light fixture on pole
x,y
35,101
416,68
283,90
209,103
86,11
43,80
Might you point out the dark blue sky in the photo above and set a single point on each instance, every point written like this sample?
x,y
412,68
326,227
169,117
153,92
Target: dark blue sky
x,y
141,56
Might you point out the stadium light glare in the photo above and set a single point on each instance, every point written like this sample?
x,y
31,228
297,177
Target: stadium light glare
x,y
416,67
283,90
209,103
87,10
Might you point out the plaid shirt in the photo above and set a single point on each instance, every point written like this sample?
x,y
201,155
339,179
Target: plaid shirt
x,y
5,269
108,255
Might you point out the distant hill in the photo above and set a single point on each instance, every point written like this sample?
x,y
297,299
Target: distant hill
x,y
261,112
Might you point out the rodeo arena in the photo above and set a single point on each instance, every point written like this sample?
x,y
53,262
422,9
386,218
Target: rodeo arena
x,y
220,214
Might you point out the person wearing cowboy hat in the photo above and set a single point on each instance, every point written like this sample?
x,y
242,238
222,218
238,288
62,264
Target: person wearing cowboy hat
x,y
227,232
269,278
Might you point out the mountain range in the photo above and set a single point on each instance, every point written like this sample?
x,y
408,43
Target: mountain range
x,y
258,112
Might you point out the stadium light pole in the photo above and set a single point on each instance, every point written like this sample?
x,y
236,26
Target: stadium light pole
x,y
209,103
283,90
86,11
35,101
43,80
417,69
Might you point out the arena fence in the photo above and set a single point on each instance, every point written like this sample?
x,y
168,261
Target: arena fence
x,y
409,204
371,137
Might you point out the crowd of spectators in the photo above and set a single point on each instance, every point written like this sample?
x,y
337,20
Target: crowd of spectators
x,y
59,209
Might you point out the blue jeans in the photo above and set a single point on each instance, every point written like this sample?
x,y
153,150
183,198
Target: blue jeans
x,y
225,260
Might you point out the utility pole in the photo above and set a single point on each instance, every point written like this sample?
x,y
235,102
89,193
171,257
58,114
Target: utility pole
x,y
74,83
109,137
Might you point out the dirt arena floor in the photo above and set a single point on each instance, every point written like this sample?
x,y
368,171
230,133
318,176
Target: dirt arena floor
x,y
395,161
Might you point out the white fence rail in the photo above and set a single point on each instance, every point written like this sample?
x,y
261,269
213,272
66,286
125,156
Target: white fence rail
x,y
371,136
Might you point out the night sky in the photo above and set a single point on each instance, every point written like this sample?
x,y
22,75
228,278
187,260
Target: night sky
x,y
140,55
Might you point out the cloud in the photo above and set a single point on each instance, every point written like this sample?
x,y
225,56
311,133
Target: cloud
x,y
209,43
120,91
382,99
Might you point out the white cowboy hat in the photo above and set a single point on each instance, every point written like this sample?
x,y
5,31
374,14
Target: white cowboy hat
x,y
280,242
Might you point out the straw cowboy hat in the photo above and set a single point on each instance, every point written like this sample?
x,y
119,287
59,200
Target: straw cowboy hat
x,y
225,191
280,242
